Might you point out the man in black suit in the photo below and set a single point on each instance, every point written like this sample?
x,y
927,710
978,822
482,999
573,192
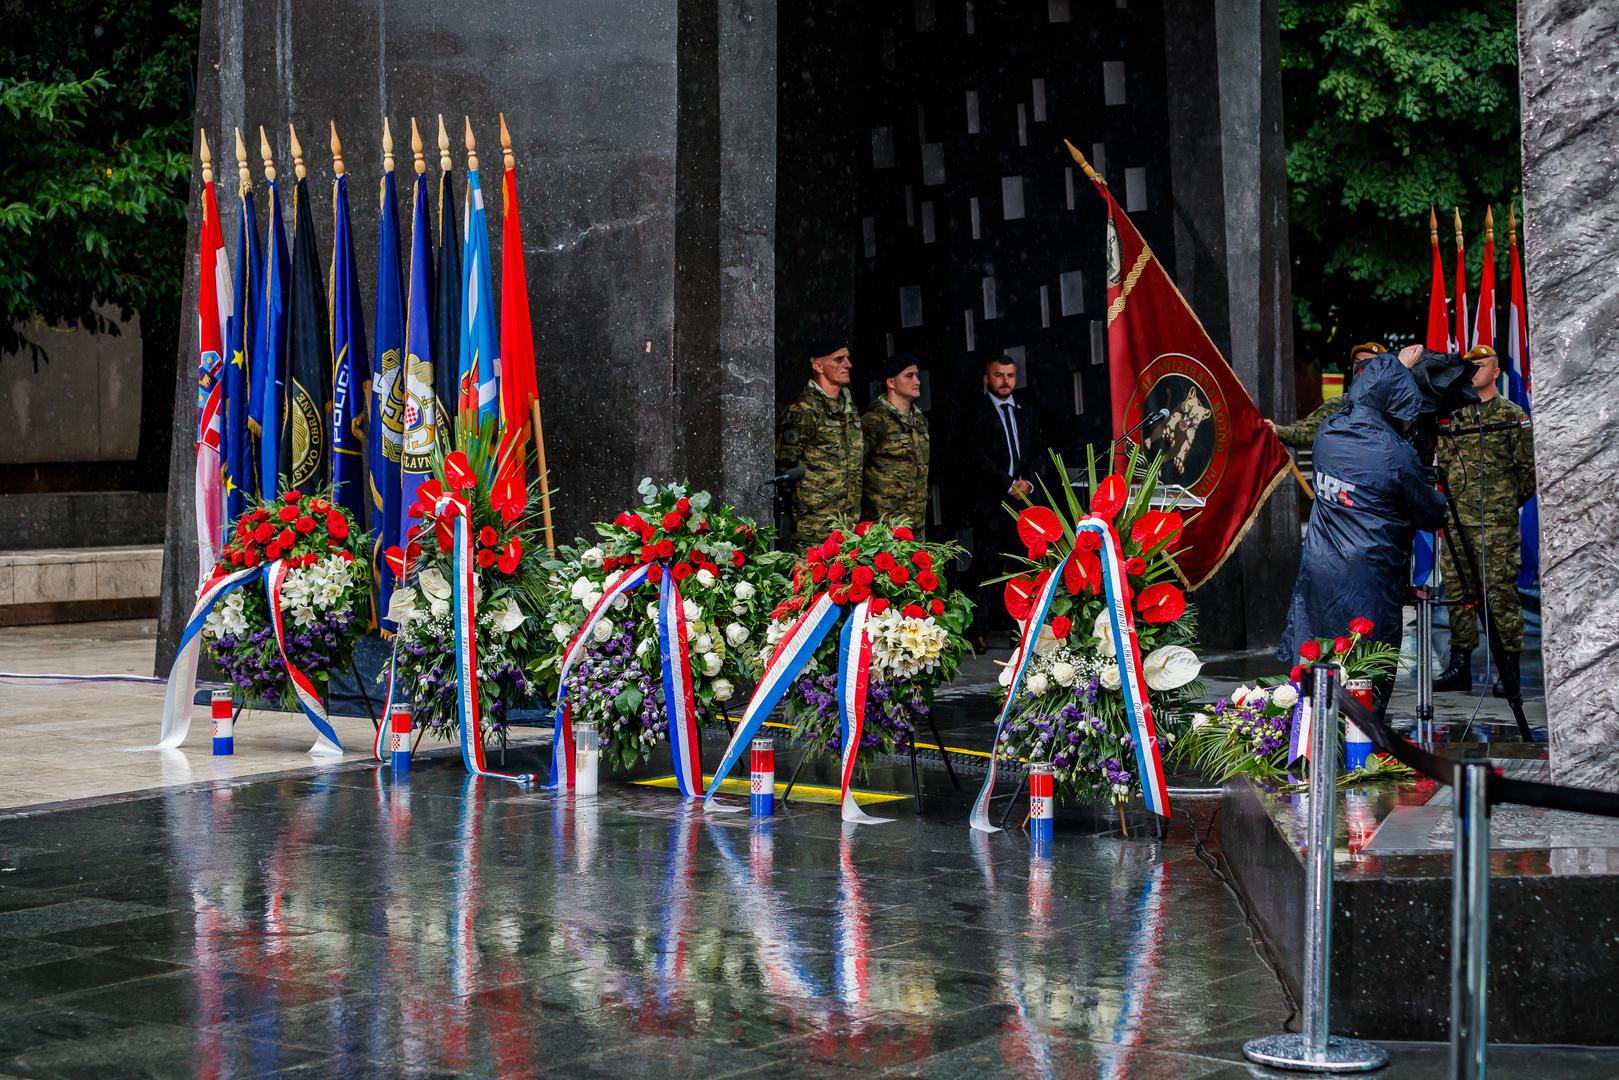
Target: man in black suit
x,y
1003,454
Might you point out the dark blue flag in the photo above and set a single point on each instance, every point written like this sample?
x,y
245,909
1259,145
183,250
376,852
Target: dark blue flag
x,y
265,406
420,419
387,394
307,388
240,460
447,305
351,364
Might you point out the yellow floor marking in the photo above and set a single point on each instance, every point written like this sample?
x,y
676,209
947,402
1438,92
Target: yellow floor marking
x,y
810,793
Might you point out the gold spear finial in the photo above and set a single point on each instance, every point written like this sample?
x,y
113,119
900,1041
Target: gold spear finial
x,y
416,146
264,152
1433,226
1083,164
244,178
1489,222
297,154
387,147
506,143
472,148
1512,221
207,158
1458,228
337,150
444,162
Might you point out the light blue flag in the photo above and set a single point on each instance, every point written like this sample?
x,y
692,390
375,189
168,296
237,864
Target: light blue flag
x,y
269,355
421,429
480,341
351,364
387,397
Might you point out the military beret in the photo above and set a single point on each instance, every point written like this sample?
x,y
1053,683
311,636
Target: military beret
x,y
1479,352
827,343
1370,346
896,364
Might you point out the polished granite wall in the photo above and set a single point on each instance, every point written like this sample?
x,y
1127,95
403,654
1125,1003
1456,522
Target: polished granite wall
x,y
1568,69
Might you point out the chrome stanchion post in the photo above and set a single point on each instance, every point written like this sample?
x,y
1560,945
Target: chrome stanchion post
x,y
1315,1049
1424,670
1470,920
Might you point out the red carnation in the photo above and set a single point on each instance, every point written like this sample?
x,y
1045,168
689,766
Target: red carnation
x,y
1154,528
863,528
914,611
878,605
884,561
899,575
486,558
937,607
305,525
1310,650
681,571
1018,597
1061,625
488,537
1161,603
738,558
1342,645
671,522
291,497
286,538
1088,540
1135,567
927,581
904,532
1361,625
1110,496
862,575
683,506
288,513
922,560
666,549
836,571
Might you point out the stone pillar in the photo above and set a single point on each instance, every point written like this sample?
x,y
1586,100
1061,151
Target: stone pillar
x,y
1568,68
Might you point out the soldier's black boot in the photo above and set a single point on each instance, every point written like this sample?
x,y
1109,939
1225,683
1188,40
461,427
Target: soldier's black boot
x,y
1458,674
1509,666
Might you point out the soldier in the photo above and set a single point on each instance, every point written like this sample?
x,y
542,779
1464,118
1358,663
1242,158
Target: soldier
x,y
1301,433
1490,473
896,449
820,431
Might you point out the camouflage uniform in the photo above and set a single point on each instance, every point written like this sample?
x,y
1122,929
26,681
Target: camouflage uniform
x,y
896,473
1300,434
823,435
1500,484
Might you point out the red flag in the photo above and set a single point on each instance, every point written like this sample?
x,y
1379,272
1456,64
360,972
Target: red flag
x,y
1438,324
214,305
518,387
1459,341
1484,317
1215,444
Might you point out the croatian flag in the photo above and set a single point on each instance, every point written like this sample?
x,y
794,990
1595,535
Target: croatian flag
x,y
480,351
1515,355
214,304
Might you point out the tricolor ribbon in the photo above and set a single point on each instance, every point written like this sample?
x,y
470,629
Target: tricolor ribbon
x,y
464,617
854,673
562,733
183,674
1298,745
1127,652
790,656
303,687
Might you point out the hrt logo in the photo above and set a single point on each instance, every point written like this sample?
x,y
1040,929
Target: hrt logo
x,y
1333,489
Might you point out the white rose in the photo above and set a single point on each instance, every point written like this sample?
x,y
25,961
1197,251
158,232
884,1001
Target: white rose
x,y
581,589
692,612
588,601
702,643
1284,696
644,647
1037,684
1240,694
704,578
602,630
1064,673
711,664
723,689
562,631
1109,678
509,618
744,591
652,612
736,634
621,602
592,556
1258,699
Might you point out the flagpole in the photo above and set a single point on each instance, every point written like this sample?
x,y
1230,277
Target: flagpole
x,y
534,406
1083,164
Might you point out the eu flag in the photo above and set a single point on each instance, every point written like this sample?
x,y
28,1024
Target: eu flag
x,y
387,392
241,479
420,422
351,370
447,301
308,381
479,360
270,341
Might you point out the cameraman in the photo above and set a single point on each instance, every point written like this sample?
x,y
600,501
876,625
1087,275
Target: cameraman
x,y
1488,454
1371,498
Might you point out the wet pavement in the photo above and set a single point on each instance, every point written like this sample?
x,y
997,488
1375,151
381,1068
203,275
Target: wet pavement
x,y
339,925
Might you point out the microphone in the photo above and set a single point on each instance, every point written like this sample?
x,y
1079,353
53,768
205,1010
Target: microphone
x,y
792,475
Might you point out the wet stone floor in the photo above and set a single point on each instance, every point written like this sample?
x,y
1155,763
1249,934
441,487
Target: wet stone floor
x,y
340,925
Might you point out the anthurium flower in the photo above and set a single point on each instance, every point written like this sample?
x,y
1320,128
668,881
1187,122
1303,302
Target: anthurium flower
x,y
1110,496
1038,528
1161,603
458,471
1019,597
1155,527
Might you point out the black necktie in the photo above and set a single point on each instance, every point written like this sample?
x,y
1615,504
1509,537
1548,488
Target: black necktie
x,y
1013,450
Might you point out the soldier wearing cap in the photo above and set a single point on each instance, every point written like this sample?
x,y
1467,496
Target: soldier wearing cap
x,y
1301,433
820,432
1488,454
895,434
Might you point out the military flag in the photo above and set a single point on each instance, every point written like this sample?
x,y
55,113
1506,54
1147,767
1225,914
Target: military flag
x,y
266,396
240,461
447,293
479,367
1214,443
1459,339
388,386
420,421
1515,359
1438,338
307,384
351,363
518,390
1484,315
214,305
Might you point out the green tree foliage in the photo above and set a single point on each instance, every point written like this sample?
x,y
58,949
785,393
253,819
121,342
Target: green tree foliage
x,y
1392,106
96,100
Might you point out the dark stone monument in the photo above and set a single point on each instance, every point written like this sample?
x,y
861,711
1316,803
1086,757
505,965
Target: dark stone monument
x,y
706,182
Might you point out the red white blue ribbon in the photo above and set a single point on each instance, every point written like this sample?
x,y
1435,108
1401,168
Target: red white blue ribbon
x,y
854,674
795,649
303,687
1298,745
562,736
679,699
387,705
1127,653
465,620
183,674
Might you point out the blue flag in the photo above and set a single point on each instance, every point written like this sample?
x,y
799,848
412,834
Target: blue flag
x,y
421,432
269,354
351,364
480,351
387,397
240,461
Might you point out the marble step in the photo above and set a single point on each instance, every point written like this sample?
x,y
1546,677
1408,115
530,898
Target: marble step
x,y
76,584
